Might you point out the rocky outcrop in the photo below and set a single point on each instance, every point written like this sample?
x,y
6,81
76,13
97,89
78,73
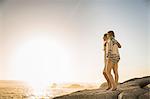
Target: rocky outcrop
x,y
137,88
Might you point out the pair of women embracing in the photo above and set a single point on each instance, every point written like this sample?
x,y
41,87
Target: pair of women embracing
x,y
112,57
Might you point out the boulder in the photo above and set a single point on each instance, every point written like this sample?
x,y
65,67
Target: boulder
x,y
136,88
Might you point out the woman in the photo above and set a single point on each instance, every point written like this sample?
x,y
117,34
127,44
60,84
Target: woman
x,y
116,56
104,71
112,59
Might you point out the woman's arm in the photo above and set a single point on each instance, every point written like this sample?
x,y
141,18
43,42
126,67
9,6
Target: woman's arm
x,y
119,45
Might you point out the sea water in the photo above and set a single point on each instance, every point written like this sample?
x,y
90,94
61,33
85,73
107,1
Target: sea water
x,y
22,90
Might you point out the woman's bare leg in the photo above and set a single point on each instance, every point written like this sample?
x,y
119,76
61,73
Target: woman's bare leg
x,y
110,77
115,70
108,82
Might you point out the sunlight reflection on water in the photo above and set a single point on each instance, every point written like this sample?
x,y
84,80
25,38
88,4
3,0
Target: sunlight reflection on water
x,y
21,90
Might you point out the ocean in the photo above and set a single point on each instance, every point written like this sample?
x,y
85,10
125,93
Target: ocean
x,y
21,90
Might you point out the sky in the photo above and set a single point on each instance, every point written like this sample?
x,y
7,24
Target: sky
x,y
149,31
61,40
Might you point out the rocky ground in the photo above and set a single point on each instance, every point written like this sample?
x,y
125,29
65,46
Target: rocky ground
x,y
137,88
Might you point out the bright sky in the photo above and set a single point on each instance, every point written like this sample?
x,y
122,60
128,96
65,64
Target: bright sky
x,y
61,40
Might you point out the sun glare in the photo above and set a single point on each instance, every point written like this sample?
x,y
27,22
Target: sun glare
x,y
40,61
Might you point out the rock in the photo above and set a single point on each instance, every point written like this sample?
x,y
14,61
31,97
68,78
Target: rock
x,y
104,85
132,94
137,88
145,96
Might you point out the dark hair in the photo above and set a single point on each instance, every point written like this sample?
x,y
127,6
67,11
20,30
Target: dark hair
x,y
112,33
105,35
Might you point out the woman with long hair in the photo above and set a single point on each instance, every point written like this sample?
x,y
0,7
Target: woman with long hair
x,y
112,58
